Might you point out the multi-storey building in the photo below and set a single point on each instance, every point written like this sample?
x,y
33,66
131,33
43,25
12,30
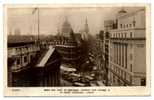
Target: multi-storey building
x,y
31,65
98,55
108,25
102,54
127,62
21,49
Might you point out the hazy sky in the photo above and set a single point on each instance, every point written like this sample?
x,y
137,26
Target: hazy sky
x,y
52,18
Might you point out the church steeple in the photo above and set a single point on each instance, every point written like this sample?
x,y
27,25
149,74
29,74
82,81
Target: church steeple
x,y
85,31
86,28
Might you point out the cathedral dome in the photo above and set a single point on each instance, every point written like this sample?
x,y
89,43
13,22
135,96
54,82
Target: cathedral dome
x,y
66,28
121,12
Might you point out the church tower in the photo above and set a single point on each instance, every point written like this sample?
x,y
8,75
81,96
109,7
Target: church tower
x,y
86,28
85,31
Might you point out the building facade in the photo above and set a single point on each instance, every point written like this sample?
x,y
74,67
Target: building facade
x,y
127,52
21,50
99,57
46,69
20,55
24,70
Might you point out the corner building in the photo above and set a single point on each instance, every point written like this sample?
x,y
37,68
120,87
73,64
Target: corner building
x,y
127,62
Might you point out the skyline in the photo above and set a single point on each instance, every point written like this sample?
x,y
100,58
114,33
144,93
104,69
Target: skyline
x,y
51,19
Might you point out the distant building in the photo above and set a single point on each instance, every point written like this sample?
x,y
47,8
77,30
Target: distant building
x,y
85,37
104,45
127,62
67,44
73,47
66,29
85,31
99,55
108,25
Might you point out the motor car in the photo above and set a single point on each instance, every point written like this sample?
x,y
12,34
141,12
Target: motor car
x,y
89,78
99,83
78,84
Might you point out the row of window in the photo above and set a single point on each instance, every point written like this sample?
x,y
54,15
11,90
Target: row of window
x,y
128,25
71,55
67,52
118,79
67,49
122,35
25,59
119,72
20,50
131,57
140,45
120,54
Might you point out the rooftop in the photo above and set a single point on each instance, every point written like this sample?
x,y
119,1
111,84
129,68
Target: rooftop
x,y
45,57
20,39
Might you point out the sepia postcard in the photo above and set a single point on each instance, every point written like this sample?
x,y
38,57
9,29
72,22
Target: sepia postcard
x,y
77,50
